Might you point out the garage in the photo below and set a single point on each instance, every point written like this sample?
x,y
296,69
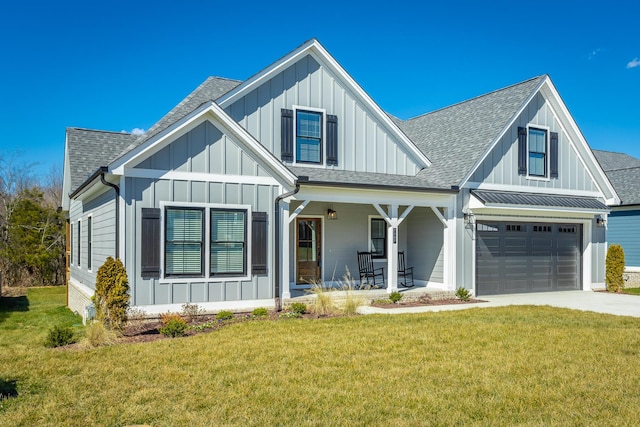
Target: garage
x,y
516,257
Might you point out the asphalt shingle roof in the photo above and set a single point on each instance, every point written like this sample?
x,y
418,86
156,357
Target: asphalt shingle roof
x,y
90,149
610,160
210,90
455,137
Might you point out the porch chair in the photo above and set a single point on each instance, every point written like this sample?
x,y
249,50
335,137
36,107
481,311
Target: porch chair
x,y
404,272
368,273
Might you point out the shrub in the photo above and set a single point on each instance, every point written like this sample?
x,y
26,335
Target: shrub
x,y
96,335
352,300
395,297
463,294
112,294
290,315
615,268
324,303
224,315
260,312
298,307
59,336
173,325
191,311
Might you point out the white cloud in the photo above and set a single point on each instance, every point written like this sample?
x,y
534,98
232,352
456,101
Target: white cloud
x,y
634,63
593,53
137,131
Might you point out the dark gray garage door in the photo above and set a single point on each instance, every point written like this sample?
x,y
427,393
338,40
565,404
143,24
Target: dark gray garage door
x,y
516,257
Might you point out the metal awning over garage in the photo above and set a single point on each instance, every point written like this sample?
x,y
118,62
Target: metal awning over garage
x,y
508,198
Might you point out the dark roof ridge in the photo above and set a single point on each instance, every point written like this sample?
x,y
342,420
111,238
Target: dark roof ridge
x,y
99,130
477,97
622,169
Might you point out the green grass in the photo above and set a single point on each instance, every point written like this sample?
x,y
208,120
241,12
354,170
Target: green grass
x,y
504,366
632,291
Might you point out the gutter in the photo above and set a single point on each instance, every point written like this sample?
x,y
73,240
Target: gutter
x,y
117,189
276,253
453,190
100,173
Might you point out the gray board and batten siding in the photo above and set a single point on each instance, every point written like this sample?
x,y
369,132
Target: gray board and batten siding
x,y
203,150
501,165
101,208
364,145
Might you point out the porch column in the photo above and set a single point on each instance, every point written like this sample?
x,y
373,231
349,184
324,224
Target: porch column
x,y
285,291
392,249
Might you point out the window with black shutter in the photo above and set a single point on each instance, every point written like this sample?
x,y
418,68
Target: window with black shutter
x,y
553,154
332,139
259,243
286,132
150,244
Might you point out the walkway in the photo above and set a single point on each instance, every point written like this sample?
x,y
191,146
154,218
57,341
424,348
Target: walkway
x,y
599,302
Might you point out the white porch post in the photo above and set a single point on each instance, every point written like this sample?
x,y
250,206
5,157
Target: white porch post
x,y
284,250
392,249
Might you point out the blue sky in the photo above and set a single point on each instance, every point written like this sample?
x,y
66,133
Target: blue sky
x,y
121,65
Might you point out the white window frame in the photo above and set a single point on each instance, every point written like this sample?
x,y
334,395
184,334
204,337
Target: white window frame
x,y
323,139
547,156
79,247
206,242
90,242
386,237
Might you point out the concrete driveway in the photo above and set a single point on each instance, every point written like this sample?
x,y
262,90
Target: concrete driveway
x,y
599,302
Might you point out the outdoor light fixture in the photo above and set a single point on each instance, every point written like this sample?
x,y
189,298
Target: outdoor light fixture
x,y
601,222
331,214
469,217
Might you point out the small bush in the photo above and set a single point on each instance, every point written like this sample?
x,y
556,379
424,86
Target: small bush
x,y
111,298
298,307
59,336
395,297
173,325
224,315
96,335
260,312
324,303
290,315
614,268
352,300
463,294
191,311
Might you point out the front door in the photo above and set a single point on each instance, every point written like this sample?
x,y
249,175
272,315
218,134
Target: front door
x,y
308,251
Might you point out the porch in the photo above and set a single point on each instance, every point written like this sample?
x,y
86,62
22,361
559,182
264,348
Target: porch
x,y
324,229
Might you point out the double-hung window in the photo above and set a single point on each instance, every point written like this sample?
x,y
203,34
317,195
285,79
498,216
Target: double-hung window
x,y
378,237
537,152
228,242
184,241
89,241
308,136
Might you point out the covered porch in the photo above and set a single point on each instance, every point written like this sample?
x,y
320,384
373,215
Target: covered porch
x,y
324,228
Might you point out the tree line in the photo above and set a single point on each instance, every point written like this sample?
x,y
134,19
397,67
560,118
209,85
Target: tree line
x,y
32,226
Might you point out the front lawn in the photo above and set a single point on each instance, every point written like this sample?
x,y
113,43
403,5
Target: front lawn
x,y
632,291
502,366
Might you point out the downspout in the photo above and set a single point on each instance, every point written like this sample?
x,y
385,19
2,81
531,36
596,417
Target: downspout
x,y
115,187
276,239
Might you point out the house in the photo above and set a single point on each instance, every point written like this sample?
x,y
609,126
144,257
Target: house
x,y
247,191
623,226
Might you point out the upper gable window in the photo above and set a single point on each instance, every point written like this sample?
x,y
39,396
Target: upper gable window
x,y
308,137
538,152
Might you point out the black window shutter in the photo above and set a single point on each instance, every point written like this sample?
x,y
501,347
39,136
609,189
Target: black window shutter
x,y
150,245
522,151
332,140
286,132
259,242
553,153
